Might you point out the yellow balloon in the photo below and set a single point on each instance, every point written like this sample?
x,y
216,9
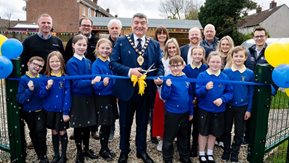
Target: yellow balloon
x,y
2,39
277,53
287,91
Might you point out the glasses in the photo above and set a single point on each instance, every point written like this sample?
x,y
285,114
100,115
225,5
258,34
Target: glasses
x,y
85,25
176,66
37,65
259,37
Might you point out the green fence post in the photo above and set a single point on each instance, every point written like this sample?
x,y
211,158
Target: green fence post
x,y
260,112
13,116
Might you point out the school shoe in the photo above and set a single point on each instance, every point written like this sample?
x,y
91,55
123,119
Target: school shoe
x,y
122,158
62,160
210,159
234,158
168,161
154,140
160,145
79,157
107,155
221,144
203,159
43,160
89,153
182,160
71,137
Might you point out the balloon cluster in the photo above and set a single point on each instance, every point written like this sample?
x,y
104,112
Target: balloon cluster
x,y
9,49
277,55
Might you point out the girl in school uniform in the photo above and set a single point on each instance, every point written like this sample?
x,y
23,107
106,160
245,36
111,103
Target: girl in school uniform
x,y
192,70
212,98
83,111
57,104
105,101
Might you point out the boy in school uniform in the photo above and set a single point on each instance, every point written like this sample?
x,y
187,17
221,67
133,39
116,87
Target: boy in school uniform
x,y
177,95
31,98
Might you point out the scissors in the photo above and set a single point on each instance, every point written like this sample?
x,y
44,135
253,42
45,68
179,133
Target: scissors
x,y
149,69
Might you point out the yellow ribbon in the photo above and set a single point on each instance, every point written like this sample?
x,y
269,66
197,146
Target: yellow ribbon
x,y
141,83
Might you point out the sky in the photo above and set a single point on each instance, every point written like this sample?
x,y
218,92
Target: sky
x,y
123,8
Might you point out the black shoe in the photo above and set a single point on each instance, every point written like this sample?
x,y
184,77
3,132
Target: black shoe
x,y
107,155
62,160
55,159
154,140
122,158
79,158
89,153
71,137
225,156
210,160
168,161
194,152
203,159
188,160
145,157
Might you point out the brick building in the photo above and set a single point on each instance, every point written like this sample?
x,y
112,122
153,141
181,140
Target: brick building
x,y
65,13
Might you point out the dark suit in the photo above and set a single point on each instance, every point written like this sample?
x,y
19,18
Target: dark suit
x,y
184,52
123,58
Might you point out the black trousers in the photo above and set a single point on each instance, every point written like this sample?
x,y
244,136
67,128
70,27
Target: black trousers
x,y
195,131
176,125
127,109
37,131
234,115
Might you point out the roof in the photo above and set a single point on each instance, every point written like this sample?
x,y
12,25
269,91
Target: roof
x,y
257,18
168,23
96,7
26,26
4,23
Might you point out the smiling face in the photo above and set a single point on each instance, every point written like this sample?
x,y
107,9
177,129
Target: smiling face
x,y
195,36
55,64
85,27
215,63
197,55
162,37
177,68
80,47
260,38
239,58
35,66
225,46
172,49
139,26
104,50
209,32
45,24
114,31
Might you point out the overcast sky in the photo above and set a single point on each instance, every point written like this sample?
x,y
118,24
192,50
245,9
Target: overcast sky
x,y
123,8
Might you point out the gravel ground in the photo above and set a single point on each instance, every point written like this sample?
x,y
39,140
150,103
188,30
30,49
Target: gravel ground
x,y
114,146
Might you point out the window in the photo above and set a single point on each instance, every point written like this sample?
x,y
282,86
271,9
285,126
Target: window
x,y
89,12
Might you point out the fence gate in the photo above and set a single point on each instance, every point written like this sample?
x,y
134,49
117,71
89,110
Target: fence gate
x,y
11,146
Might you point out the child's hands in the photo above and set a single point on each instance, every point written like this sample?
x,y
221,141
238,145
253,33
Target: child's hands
x,y
218,102
95,80
105,81
169,82
30,85
191,117
209,85
66,118
158,81
49,84
247,115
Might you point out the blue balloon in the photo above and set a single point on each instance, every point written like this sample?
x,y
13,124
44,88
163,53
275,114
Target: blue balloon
x,y
12,48
280,75
6,67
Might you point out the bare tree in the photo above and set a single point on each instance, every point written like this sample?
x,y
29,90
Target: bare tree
x,y
176,9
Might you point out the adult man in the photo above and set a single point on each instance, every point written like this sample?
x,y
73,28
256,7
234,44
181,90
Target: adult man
x,y
85,28
195,37
40,44
132,54
114,29
210,42
256,51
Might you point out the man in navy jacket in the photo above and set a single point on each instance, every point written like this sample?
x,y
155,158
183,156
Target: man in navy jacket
x,y
130,55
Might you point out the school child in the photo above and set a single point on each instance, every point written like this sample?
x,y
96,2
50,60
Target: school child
x,y
57,104
192,70
212,98
171,49
83,111
239,108
105,101
31,98
177,95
